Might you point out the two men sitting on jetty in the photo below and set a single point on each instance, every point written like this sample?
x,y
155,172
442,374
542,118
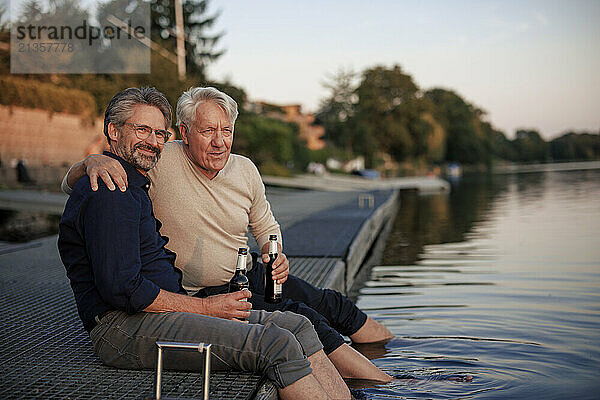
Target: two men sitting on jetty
x,y
206,198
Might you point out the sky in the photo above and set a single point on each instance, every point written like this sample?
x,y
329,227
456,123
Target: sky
x,y
529,64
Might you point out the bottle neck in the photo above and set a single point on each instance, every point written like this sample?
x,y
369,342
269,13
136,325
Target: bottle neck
x,y
241,263
273,247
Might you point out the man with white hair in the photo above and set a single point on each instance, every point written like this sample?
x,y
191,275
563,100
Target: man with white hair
x,y
206,198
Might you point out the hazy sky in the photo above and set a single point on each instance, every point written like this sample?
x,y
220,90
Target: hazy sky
x,y
530,64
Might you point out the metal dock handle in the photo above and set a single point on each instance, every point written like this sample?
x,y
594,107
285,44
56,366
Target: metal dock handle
x,y
200,347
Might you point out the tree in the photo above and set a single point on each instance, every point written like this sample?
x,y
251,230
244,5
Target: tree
x,y
573,146
465,140
266,140
58,13
436,141
502,147
529,146
104,86
335,111
4,41
486,133
200,46
390,110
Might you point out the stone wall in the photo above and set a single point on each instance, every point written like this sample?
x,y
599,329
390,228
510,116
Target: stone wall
x,y
42,138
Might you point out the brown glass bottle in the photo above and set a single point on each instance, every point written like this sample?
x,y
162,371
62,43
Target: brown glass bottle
x,y
240,280
272,288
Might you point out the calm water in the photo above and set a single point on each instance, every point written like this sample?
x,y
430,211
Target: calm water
x,y
499,281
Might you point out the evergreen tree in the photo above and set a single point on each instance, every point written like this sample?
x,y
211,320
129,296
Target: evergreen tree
x,y
200,44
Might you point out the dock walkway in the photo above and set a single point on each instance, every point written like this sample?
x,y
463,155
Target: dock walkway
x,y
47,354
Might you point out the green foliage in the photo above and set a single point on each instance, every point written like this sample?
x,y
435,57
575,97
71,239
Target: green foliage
x,y
383,113
238,94
301,154
57,13
436,142
573,146
269,142
390,111
199,46
4,25
337,109
46,96
486,133
104,86
272,109
274,169
502,147
386,112
329,151
530,147
4,34
465,140
163,74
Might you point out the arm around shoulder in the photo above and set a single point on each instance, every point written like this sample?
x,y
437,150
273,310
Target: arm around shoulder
x,y
74,173
96,166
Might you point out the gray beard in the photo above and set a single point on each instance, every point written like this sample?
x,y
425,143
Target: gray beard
x,y
139,160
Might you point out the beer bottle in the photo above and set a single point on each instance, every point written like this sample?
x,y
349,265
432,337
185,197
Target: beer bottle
x,y
272,288
240,280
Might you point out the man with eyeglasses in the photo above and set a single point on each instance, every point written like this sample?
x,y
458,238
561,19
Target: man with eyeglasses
x,y
206,198
128,290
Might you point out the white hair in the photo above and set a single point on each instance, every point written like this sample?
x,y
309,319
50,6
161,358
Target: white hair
x,y
193,97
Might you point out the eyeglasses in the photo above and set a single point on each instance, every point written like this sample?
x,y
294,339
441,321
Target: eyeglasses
x,y
143,132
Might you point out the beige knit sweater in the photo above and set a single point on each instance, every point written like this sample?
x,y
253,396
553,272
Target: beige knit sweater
x,y
206,220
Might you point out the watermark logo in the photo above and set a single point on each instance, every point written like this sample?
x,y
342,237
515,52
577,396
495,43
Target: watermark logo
x,y
80,36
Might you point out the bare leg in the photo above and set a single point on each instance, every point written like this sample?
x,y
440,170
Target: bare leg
x,y
371,331
351,364
329,378
305,388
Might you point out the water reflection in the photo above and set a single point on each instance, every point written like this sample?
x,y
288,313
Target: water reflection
x,y
440,219
499,281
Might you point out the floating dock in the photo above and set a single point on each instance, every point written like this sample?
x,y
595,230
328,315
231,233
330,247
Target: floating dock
x,y
47,354
350,183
